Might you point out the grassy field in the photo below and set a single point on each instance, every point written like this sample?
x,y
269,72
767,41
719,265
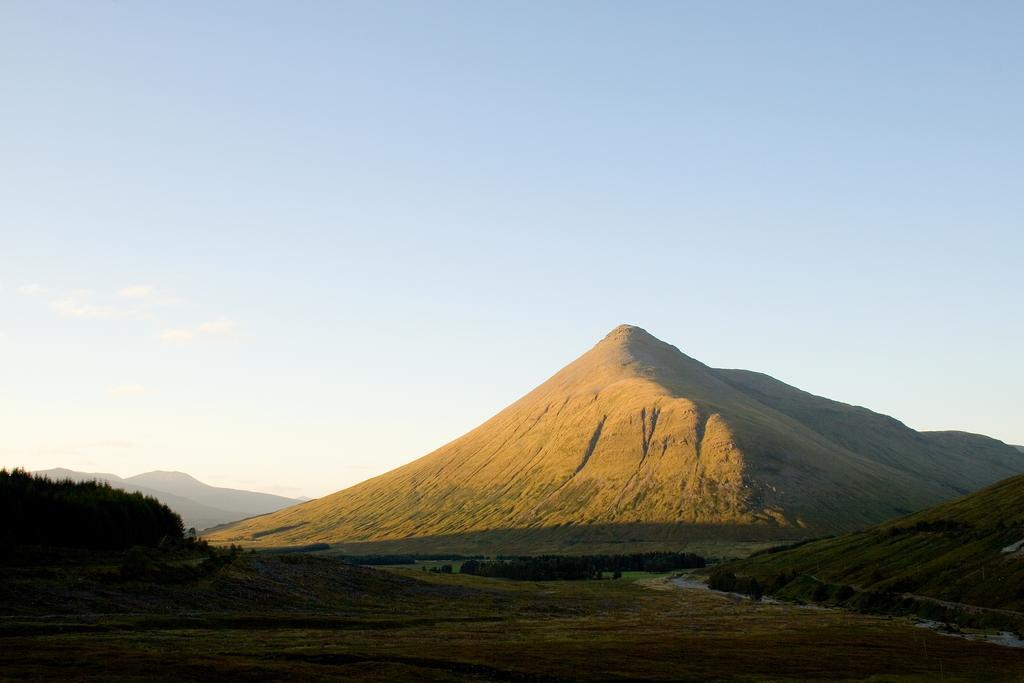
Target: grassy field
x,y
312,617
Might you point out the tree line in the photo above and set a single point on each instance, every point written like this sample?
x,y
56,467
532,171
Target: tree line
x,y
578,567
403,559
722,579
65,513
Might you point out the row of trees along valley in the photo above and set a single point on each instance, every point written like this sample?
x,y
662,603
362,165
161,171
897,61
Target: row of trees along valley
x,y
581,567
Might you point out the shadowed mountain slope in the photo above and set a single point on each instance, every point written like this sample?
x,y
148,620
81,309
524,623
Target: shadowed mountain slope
x,y
634,432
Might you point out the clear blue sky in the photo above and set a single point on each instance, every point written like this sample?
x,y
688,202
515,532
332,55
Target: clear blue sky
x,y
291,245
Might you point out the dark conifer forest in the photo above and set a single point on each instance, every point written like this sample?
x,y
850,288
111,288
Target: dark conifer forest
x,y
40,512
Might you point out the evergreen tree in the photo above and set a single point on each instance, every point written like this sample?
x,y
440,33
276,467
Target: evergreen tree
x,y
38,511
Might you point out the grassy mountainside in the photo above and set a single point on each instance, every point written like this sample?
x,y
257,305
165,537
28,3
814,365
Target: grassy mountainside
x,y
953,552
635,434
964,462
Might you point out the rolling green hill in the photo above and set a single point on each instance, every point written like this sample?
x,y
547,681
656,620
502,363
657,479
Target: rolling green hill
x,y
636,443
966,551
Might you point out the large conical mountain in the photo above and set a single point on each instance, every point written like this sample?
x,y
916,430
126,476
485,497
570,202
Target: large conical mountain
x,y
636,438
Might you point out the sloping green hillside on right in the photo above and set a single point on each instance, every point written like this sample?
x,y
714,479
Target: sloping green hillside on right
x,y
965,551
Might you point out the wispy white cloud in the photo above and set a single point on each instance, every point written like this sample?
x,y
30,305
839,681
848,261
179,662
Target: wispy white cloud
x,y
222,329
82,304
135,302
141,302
137,291
124,390
219,328
32,288
178,336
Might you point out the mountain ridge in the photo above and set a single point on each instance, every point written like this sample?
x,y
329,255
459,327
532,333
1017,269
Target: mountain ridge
x,y
635,432
212,506
244,502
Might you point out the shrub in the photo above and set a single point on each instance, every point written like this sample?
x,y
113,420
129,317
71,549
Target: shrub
x,y
845,593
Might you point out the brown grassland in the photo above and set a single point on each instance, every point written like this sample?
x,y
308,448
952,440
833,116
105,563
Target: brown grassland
x,y
303,617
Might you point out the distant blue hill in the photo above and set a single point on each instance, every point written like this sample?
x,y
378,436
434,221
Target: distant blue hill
x,y
200,505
